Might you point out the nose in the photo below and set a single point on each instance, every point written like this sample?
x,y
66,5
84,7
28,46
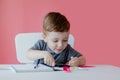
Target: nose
x,y
60,44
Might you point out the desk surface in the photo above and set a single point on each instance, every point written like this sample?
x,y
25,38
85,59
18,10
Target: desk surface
x,y
99,72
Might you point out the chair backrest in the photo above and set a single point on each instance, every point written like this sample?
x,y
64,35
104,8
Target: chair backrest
x,y
24,41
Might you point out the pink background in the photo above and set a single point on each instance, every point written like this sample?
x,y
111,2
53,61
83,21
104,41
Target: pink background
x,y
95,25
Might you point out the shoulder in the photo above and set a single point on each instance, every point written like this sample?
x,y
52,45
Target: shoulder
x,y
40,41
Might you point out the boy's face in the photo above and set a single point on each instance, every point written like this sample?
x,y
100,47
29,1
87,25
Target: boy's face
x,y
57,41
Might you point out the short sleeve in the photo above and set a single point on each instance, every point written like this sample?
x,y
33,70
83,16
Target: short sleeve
x,y
73,53
38,45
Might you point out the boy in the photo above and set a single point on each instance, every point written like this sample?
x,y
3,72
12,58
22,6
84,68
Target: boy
x,y
54,48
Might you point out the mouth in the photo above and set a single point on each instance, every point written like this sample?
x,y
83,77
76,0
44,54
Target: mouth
x,y
59,50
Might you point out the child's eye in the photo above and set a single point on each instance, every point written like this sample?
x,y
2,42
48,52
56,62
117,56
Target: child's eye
x,y
65,40
55,41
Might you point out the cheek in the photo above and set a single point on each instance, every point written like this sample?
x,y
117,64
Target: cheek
x,y
65,45
51,45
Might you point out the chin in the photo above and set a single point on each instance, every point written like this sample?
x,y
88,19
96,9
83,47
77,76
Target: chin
x,y
58,52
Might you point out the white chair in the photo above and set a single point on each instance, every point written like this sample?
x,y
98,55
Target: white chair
x,y
24,41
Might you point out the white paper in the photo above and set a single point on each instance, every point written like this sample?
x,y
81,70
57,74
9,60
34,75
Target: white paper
x,y
30,68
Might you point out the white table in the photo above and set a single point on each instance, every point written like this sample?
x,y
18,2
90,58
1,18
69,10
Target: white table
x,y
99,72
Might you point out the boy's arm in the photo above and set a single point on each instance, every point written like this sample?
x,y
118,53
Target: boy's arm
x,y
37,54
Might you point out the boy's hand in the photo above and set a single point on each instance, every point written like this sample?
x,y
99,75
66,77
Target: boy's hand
x,y
77,61
74,61
48,59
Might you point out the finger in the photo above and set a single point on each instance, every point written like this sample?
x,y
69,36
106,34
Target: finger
x,y
47,61
50,62
53,63
74,61
74,58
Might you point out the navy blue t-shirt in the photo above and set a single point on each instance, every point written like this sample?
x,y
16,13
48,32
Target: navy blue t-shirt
x,y
61,58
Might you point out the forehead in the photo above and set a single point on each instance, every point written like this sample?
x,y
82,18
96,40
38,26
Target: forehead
x,y
58,34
